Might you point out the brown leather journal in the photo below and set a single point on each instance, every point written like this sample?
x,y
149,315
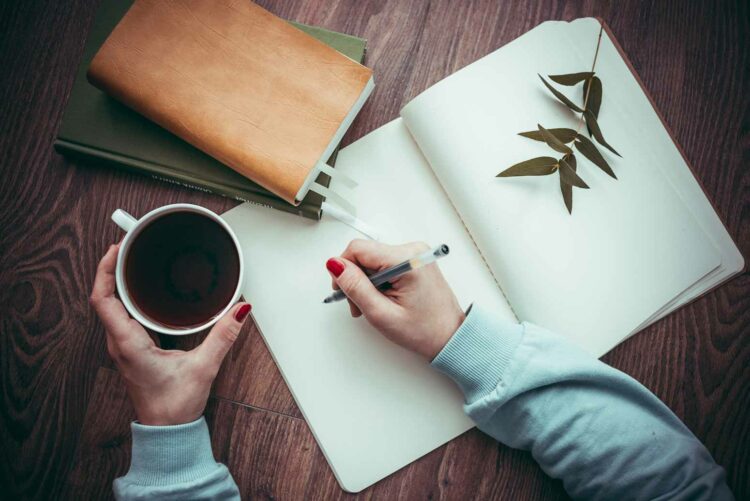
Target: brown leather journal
x,y
238,83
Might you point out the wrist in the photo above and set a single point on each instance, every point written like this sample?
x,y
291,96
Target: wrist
x,y
160,409
147,419
441,339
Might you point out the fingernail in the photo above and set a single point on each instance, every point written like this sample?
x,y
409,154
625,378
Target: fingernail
x,y
335,266
242,312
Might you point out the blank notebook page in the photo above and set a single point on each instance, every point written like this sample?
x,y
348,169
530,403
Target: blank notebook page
x,y
372,406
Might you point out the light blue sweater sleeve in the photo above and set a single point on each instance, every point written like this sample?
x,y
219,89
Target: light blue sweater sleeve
x,y
598,430
174,462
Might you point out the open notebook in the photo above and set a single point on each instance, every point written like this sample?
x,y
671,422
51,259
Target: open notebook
x,y
632,251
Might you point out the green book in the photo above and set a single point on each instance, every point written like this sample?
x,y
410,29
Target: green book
x,y
99,128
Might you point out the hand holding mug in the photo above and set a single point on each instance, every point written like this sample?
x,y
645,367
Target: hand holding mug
x,y
178,271
419,312
166,387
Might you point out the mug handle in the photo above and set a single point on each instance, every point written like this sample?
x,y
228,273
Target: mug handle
x,y
124,220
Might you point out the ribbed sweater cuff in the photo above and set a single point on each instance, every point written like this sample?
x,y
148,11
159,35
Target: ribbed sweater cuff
x,y
478,353
166,455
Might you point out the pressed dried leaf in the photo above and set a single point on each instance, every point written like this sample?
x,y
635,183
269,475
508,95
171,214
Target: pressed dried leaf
x,y
590,151
597,132
564,135
553,142
567,189
540,166
594,102
568,174
559,95
567,194
571,78
571,159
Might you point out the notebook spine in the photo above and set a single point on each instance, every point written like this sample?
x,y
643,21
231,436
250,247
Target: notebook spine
x,y
479,249
486,263
162,173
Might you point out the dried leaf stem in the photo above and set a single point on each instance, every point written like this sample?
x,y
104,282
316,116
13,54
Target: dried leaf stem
x,y
588,87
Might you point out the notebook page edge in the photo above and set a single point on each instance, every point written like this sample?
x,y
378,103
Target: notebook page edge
x,y
688,179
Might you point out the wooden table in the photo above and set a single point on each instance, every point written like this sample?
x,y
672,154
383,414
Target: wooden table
x,y
64,415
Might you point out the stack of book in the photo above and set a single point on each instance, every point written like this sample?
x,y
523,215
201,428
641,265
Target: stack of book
x,y
102,129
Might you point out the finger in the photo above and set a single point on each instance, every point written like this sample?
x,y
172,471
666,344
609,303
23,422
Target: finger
x,y
353,309
110,310
371,254
223,335
126,334
155,338
104,282
358,288
376,255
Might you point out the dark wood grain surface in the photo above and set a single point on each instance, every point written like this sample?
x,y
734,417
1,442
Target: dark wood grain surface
x,y
64,416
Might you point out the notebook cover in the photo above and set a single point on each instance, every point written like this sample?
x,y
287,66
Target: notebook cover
x,y
96,127
237,82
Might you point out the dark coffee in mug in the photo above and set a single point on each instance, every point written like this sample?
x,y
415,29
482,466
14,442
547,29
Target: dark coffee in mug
x,y
182,269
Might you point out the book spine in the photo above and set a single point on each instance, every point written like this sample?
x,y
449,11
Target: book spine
x,y
162,173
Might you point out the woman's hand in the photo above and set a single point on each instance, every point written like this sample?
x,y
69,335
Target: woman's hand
x,y
166,387
420,312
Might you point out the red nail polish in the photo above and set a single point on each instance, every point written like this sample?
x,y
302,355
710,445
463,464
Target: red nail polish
x,y
242,312
335,266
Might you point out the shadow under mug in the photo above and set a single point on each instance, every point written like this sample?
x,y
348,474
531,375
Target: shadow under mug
x,y
133,227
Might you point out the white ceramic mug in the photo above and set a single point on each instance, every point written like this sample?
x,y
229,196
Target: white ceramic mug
x,y
133,227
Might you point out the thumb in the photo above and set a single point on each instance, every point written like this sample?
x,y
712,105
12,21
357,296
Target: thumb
x,y
223,335
357,287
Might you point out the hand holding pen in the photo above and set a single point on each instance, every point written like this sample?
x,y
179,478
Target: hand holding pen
x,y
419,311
382,279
